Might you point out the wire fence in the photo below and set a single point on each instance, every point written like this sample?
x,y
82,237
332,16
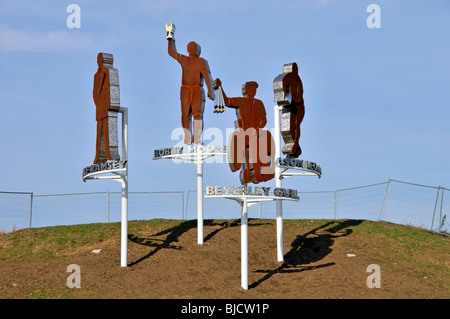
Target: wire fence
x,y
15,210
392,201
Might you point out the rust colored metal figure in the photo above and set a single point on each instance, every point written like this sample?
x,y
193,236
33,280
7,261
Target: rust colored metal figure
x,y
195,73
288,91
107,101
251,147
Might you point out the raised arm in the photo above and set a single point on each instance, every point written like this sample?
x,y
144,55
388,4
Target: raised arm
x,y
170,36
173,50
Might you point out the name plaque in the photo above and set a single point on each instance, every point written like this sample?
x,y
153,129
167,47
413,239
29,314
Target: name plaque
x,y
248,190
190,150
296,163
106,166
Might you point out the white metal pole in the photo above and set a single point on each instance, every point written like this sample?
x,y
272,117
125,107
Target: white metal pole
x,y
244,245
124,236
278,183
124,222
280,250
199,199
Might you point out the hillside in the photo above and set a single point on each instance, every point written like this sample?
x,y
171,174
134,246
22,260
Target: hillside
x,y
166,262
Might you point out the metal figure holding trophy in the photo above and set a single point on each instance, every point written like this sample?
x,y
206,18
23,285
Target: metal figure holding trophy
x,y
195,73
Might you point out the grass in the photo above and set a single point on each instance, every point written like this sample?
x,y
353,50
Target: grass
x,y
414,247
411,243
50,242
385,243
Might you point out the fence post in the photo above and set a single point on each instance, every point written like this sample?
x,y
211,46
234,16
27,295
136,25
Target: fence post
x,y
260,210
108,201
187,202
435,206
335,204
384,198
389,200
31,208
440,214
182,205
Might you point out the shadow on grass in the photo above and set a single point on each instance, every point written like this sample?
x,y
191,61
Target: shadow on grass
x,y
174,233
309,248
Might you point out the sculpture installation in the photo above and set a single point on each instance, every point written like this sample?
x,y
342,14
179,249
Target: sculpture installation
x,y
288,93
251,147
106,96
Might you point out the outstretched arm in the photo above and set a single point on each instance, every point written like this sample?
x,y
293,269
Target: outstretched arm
x,y
228,101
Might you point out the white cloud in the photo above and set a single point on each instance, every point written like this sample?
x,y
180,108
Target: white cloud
x,y
33,41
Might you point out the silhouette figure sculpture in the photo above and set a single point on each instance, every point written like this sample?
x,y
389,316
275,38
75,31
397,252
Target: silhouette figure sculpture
x,y
107,102
251,147
288,91
195,71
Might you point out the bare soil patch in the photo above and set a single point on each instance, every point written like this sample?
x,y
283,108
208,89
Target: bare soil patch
x,y
165,262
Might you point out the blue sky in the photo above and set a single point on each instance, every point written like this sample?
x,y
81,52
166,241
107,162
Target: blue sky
x,y
377,100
